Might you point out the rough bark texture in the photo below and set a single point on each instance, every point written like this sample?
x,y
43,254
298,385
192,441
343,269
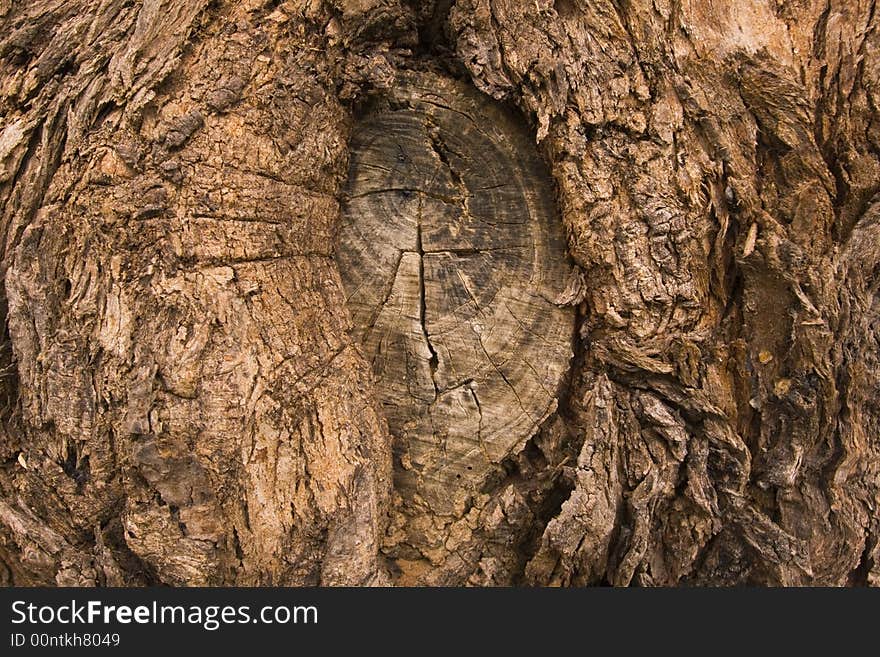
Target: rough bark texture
x,y
188,399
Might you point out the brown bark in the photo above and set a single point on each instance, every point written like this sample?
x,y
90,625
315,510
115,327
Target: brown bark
x,y
189,399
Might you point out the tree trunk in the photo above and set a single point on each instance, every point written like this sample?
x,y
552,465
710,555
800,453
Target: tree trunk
x,y
457,292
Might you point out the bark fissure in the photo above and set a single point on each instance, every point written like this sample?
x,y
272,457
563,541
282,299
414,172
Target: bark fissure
x,y
423,309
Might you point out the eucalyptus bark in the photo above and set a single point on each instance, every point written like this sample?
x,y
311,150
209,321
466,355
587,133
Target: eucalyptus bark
x,y
189,395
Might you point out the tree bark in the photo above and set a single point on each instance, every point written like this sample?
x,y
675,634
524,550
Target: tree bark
x,y
684,390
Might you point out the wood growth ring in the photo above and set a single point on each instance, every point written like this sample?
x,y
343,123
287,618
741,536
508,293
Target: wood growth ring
x,y
452,256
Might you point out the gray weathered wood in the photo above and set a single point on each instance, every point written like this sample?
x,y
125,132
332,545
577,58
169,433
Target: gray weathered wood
x,y
453,259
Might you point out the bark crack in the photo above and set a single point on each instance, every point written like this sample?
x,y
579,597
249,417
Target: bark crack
x,y
433,361
387,297
500,372
470,387
442,150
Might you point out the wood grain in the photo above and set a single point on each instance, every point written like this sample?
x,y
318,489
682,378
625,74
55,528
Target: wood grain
x,y
452,257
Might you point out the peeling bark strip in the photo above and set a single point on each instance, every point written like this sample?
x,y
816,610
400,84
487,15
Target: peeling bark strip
x,y
452,257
